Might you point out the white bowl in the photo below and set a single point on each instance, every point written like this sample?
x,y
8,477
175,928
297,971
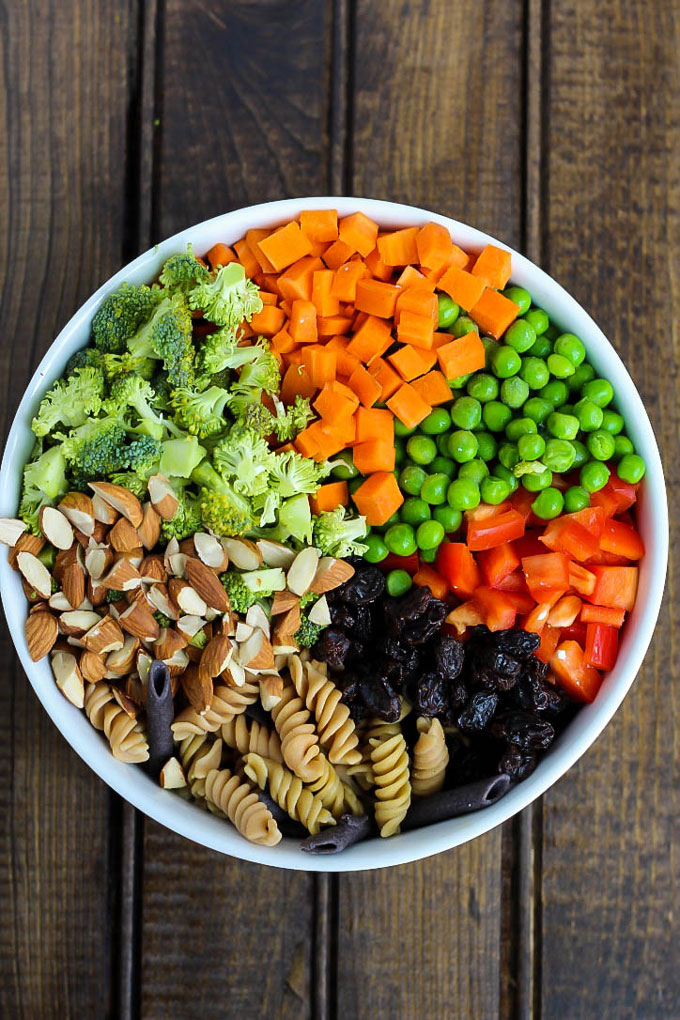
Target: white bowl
x,y
194,823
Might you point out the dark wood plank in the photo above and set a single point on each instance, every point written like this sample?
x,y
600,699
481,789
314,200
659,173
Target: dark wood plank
x,y
64,69
611,939
433,125
243,120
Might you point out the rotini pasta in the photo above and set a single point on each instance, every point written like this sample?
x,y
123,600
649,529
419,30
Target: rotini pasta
x,y
236,798
299,739
246,735
227,702
288,791
430,758
389,760
337,734
124,733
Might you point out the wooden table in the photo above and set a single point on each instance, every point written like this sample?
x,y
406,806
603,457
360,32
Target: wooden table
x,y
555,126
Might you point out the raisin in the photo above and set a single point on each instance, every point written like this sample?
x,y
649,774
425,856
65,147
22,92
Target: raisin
x,y
380,699
366,586
479,711
333,647
528,732
521,643
449,656
427,625
458,695
496,669
431,694
517,763
411,607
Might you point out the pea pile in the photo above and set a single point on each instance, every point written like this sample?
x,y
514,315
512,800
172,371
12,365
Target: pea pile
x,y
536,412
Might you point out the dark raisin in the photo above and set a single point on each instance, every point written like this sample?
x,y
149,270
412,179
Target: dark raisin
x,y
528,732
536,669
558,700
333,647
449,656
427,625
478,712
400,612
521,643
367,585
458,694
380,699
516,763
531,694
431,694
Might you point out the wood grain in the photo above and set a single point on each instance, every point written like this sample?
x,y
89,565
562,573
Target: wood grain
x,y
431,127
62,202
611,878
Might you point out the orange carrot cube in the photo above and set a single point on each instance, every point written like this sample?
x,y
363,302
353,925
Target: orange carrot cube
x,y
463,287
302,325
493,313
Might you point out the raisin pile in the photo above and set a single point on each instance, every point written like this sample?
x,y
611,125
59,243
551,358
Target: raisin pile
x,y
490,692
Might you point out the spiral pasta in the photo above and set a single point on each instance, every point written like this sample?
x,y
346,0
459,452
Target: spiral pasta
x,y
202,764
124,733
337,734
246,735
97,697
299,739
227,702
389,760
288,791
238,801
430,758
353,802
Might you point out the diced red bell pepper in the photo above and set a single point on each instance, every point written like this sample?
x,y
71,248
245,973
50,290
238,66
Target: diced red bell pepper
x,y
550,638
580,680
457,566
513,582
615,587
494,531
546,575
607,559
616,495
602,614
427,577
498,563
483,511
572,539
602,644
521,502
392,562
565,611
529,545
581,580
467,614
622,540
497,608
537,619
521,600
576,632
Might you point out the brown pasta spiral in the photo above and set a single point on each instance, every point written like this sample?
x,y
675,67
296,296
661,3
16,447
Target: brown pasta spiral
x,y
239,802
227,702
430,758
299,739
337,733
288,791
389,760
124,733
246,735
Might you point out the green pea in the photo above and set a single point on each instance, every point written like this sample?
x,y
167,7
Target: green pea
x,y
559,366
534,372
377,550
483,387
451,519
538,319
346,470
563,426
581,455
514,392
460,383
443,466
399,451
443,444
537,409
490,347
428,555
552,332
411,479
486,445
398,582
494,490
594,475
463,494
548,504
505,362
536,483
567,409
466,413
430,534
600,445
631,468
559,455
508,455
612,422
462,326
570,347
600,391
437,421
414,510
520,296
401,430
521,335
496,415
583,374
400,539
589,414
435,488
530,447
463,445
507,476
622,446
448,311
576,498
520,427
541,349
355,483
555,392
421,449
476,470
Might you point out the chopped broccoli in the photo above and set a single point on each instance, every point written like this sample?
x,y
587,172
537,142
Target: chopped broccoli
x,y
259,419
88,357
96,449
201,414
167,336
183,272
261,374
44,482
228,298
199,640
186,521
129,480
221,351
292,473
71,401
223,510
181,456
129,392
337,535
245,460
162,619
115,365
114,596
309,599
120,315
240,597
307,633
143,455
285,424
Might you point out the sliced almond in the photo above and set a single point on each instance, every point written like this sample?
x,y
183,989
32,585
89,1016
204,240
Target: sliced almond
x,y
256,617
271,691
320,613
105,636
168,642
127,704
211,551
162,496
59,602
198,687
73,583
144,661
152,570
256,653
172,775
121,499
133,556
283,601
35,573
243,553
186,546
177,663
92,666
98,559
286,626
121,662
189,626
140,621
96,592
56,527
302,570
150,529
243,631
123,537
77,622
69,678
216,655
281,653
123,576
77,506
330,574
98,535
64,558
103,511
170,550
40,607
26,543
31,594
177,564
41,633
11,530
186,597
157,596
206,582
234,674
275,554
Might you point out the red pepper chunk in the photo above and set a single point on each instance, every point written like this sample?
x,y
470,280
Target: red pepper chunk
x,y
546,575
498,608
615,587
457,566
495,530
622,540
498,563
602,644
580,680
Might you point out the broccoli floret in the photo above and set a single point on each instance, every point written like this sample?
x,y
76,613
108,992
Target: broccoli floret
x,y
89,357
44,482
162,389
289,421
129,480
162,619
307,633
240,597
337,535
245,460
114,596
183,272
227,298
181,456
186,521
131,392
167,337
259,419
71,401
261,374
143,455
199,640
96,449
115,365
121,314
309,599
201,414
292,473
220,351
223,510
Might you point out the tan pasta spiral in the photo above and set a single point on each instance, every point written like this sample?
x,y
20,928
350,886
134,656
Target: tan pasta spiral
x,y
389,759
430,758
227,702
353,802
249,735
242,806
97,697
124,734
209,757
337,734
299,739
288,791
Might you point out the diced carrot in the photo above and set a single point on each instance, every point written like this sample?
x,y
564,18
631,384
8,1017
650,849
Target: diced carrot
x,y
302,325
371,340
220,255
269,321
463,287
293,357
334,325
374,423
366,386
246,258
324,301
466,354
345,429
296,382
282,342
420,300
335,402
376,267
296,283
285,246
374,455
426,577
410,277
320,224
399,247
346,363
456,257
253,238
321,440
378,498
330,496
376,298
416,330
410,362
389,380
307,442
267,298
440,340
358,233
433,388
408,406
493,313
321,364
338,253
271,284
434,245
493,266
346,278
